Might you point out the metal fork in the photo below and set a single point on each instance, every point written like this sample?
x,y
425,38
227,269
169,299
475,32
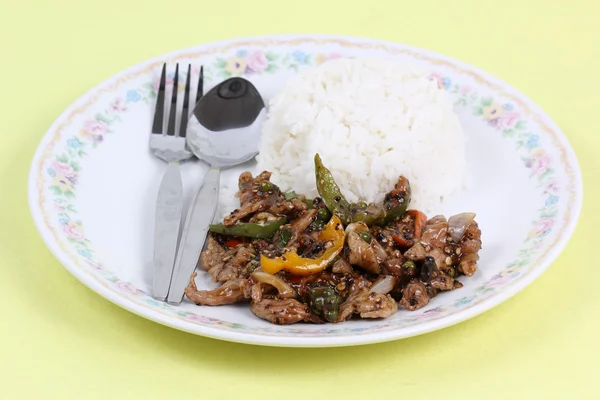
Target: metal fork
x,y
171,148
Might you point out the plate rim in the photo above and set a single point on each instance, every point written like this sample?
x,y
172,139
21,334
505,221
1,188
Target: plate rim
x,y
299,340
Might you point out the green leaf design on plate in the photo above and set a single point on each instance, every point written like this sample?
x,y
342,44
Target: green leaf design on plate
x,y
271,56
486,101
69,194
271,68
103,118
460,102
521,124
523,262
508,133
547,173
220,63
478,111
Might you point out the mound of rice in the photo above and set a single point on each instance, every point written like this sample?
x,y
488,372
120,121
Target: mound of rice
x,y
371,120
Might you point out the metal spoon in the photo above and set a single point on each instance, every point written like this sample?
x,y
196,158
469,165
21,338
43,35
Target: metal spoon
x,y
224,131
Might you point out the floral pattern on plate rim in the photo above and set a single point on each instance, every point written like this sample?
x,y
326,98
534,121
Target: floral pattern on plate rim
x,y
61,179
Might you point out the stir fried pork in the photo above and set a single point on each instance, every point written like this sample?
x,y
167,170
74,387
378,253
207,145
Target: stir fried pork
x,y
231,292
378,256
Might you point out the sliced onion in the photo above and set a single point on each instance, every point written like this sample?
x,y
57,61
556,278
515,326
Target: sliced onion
x,y
383,285
458,224
357,227
285,290
380,252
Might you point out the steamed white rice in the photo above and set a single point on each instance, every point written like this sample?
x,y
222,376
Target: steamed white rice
x,y
371,120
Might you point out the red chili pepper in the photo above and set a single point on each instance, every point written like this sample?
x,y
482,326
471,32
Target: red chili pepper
x,y
233,242
401,241
420,222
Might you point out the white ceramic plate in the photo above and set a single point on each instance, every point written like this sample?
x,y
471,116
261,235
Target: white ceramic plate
x,y
93,184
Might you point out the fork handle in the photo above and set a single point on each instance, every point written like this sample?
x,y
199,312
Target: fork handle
x,y
169,204
200,215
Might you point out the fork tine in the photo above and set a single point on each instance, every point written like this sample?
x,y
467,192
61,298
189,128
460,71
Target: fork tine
x,y
173,110
186,104
157,124
200,91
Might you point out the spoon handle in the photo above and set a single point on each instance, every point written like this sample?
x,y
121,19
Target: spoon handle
x,y
200,215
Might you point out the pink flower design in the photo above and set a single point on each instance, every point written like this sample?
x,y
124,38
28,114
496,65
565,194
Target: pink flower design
x,y
257,61
196,318
129,288
500,281
437,78
321,58
543,226
64,170
94,265
168,81
118,105
552,187
541,164
463,89
508,120
94,129
73,230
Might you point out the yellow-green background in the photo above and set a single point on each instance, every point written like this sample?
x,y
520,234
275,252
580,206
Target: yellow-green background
x,y
60,340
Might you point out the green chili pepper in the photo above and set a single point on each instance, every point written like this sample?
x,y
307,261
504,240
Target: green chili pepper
x,y
324,214
250,269
396,201
371,215
395,204
265,186
409,265
284,237
325,302
366,236
256,231
319,224
309,203
330,192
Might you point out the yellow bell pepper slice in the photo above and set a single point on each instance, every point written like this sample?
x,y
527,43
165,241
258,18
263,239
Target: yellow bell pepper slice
x,y
291,262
